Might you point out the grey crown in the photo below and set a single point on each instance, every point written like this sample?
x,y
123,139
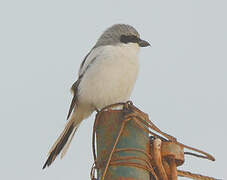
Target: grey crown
x,y
113,34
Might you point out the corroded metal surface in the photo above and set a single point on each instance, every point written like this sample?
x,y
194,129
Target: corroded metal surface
x,y
172,150
107,129
128,147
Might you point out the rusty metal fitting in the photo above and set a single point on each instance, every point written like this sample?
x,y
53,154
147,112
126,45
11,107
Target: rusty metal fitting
x,y
170,150
125,151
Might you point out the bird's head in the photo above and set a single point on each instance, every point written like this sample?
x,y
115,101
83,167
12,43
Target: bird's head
x,y
121,34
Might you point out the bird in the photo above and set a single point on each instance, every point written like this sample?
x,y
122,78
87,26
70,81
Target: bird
x,y
106,76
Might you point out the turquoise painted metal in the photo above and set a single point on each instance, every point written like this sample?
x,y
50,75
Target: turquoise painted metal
x,y
126,152
108,125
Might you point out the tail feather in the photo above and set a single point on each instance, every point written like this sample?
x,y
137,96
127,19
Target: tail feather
x,y
64,140
66,147
58,146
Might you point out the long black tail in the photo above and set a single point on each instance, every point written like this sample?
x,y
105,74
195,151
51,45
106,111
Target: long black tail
x,y
59,144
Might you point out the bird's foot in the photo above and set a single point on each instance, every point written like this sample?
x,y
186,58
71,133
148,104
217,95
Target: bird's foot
x,y
97,110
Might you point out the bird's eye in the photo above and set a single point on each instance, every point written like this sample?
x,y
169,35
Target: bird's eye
x,y
128,39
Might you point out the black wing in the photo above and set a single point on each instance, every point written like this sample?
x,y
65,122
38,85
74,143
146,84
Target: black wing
x,y
83,62
75,86
74,102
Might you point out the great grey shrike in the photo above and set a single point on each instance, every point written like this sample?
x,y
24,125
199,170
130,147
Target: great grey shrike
x,y
106,76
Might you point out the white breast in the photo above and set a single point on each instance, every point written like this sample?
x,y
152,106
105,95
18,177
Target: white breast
x,y
111,77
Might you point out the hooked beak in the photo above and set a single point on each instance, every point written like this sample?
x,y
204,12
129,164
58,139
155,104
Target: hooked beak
x,y
143,43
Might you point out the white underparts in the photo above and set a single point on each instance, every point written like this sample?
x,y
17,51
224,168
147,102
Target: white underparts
x,y
111,76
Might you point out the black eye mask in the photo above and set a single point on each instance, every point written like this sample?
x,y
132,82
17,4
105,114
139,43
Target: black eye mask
x,y
128,39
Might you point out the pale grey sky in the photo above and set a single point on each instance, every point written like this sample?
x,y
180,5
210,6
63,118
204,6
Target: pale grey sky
x,y
181,85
